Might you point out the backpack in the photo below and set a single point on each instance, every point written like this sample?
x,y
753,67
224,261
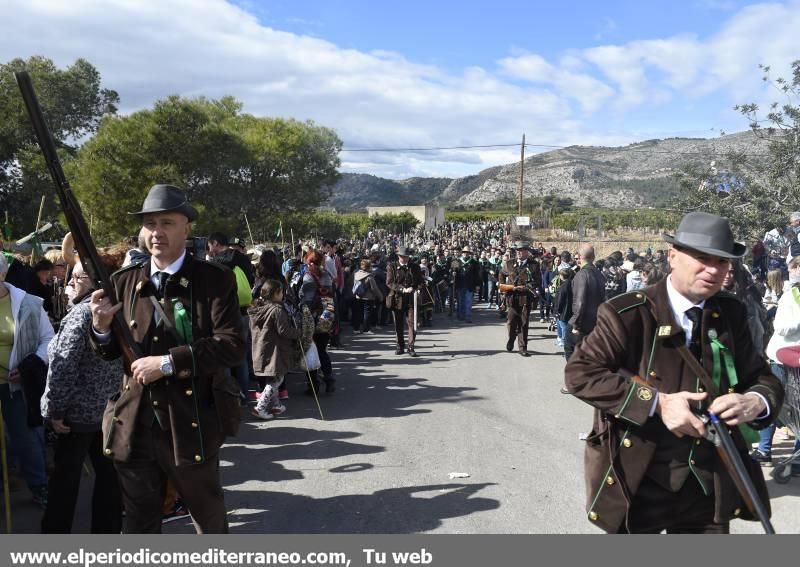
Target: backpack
x,y
360,288
243,290
327,318
295,279
613,279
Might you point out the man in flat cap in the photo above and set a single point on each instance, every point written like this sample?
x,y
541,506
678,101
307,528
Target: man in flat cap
x,y
648,466
176,404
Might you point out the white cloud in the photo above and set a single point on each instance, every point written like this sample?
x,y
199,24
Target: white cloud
x,y
585,89
148,50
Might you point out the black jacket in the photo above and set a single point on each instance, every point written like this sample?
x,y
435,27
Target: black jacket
x,y
562,305
588,292
232,258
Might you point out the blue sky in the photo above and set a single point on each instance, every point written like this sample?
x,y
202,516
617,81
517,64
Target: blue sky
x,y
460,34
413,73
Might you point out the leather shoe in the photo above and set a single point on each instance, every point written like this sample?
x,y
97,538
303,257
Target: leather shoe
x,y
510,345
524,353
412,353
399,350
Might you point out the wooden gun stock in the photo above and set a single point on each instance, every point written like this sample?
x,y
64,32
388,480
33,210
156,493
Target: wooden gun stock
x,y
74,216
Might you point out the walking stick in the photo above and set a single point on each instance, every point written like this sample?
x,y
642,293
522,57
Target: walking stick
x,y
250,232
6,490
416,310
310,381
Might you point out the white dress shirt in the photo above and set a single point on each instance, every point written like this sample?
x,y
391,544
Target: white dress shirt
x,y
171,269
680,305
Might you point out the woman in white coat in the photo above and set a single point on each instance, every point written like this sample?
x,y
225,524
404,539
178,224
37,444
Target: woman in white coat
x,y
25,332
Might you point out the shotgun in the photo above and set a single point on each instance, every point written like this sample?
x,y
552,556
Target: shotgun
x,y
717,432
87,250
719,436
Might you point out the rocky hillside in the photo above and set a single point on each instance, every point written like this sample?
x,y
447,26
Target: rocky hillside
x,y
358,191
641,174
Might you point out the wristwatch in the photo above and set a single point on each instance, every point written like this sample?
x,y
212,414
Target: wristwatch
x,y
166,365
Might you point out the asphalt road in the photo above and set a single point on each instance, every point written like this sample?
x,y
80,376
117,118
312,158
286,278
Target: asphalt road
x,y
397,427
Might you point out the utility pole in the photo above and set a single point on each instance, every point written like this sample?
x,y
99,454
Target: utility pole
x,y
521,174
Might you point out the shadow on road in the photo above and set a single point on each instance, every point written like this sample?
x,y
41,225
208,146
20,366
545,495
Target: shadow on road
x,y
403,510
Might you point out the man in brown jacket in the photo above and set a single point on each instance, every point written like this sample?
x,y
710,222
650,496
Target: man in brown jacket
x,y
648,467
403,278
176,404
526,278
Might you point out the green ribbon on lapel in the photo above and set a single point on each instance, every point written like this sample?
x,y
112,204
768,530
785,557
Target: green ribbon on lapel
x,y
750,435
183,322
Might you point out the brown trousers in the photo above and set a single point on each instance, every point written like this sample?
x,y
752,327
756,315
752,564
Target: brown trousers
x,y
407,314
688,511
517,323
143,480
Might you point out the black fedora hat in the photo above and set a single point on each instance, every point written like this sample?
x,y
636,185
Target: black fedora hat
x,y
707,233
167,198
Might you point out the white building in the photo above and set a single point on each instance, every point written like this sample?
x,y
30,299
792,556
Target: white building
x,y
429,216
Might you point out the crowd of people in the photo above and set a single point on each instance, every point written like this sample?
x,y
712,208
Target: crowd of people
x,y
224,333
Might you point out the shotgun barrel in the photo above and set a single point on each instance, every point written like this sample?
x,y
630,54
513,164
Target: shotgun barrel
x,y
90,260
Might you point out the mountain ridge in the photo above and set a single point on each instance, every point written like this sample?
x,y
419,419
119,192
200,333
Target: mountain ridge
x,y
637,175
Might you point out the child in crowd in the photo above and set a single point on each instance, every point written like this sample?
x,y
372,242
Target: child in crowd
x,y
273,338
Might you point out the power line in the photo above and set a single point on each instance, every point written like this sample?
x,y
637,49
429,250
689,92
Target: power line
x,y
548,146
429,149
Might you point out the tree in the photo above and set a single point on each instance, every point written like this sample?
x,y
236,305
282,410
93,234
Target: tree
x,y
228,162
755,194
394,222
73,103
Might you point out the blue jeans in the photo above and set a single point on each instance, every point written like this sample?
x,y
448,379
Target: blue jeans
x,y
26,444
562,328
242,372
369,308
465,304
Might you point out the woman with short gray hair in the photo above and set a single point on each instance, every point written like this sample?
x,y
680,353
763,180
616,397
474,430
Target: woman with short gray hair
x,y
25,332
